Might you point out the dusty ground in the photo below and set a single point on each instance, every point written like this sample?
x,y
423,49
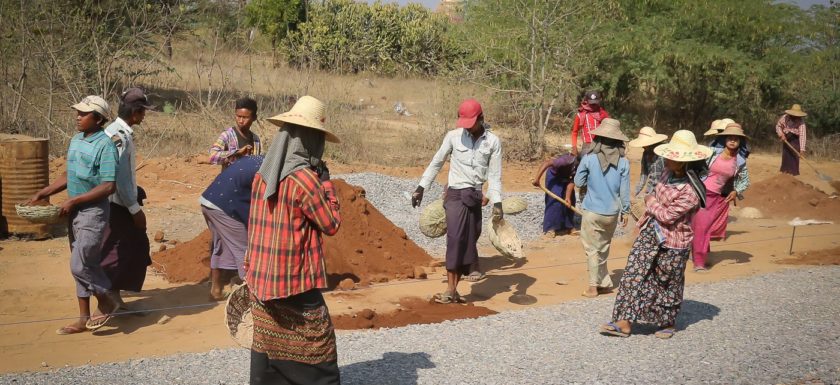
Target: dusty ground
x,y
37,289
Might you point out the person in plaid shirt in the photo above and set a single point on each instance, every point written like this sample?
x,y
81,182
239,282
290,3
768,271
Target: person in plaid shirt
x,y
651,288
293,203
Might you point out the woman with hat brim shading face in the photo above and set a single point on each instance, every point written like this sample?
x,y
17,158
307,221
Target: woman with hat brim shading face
x,y
727,178
652,164
605,172
651,288
293,204
791,128
90,178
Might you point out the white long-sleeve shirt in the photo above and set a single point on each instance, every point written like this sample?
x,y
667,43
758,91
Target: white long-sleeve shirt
x,y
126,195
472,162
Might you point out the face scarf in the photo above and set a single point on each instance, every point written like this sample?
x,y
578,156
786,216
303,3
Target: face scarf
x,y
295,147
591,116
609,151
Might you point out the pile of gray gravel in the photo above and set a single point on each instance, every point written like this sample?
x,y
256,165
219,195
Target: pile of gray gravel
x,y
392,197
776,328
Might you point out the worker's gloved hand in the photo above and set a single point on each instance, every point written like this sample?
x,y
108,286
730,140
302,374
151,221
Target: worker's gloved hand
x,y
498,214
417,196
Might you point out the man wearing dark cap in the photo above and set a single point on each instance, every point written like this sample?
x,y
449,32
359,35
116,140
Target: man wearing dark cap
x,y
589,117
125,252
476,158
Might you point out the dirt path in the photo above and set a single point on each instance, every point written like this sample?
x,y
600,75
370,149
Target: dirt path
x,y
36,285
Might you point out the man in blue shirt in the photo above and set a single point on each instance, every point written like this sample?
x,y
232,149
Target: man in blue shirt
x,y
89,180
605,172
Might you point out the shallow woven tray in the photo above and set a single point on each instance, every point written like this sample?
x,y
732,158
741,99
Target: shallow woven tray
x,y
39,214
238,318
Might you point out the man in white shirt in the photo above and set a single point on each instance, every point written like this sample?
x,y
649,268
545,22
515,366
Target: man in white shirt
x,y
125,253
476,158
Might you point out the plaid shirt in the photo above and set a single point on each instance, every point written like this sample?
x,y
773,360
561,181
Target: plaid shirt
x,y
285,256
647,182
227,144
787,125
671,213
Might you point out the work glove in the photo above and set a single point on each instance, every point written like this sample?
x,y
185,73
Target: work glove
x,y
417,197
322,171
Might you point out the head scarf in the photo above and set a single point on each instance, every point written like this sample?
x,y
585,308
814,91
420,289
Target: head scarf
x,y
295,147
609,151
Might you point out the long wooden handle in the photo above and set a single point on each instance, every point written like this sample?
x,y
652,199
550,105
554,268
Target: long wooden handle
x,y
795,151
563,201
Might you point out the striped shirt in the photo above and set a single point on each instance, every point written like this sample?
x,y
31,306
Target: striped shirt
x,y
285,255
789,125
227,144
671,212
91,161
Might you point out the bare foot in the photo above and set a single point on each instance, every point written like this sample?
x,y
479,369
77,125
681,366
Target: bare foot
x,y
73,328
591,292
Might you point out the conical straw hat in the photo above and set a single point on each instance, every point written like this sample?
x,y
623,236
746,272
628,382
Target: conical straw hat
x,y
683,147
647,137
307,112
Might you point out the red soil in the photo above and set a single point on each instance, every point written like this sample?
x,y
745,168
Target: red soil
x,y
368,248
412,311
785,197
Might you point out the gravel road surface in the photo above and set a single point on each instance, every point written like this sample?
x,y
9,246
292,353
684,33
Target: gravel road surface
x,y
776,328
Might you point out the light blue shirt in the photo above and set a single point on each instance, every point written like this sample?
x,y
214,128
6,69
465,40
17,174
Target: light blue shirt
x,y
607,193
472,163
126,195
91,161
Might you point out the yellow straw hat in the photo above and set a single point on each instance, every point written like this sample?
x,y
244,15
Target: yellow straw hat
x,y
683,147
733,129
307,112
647,136
796,110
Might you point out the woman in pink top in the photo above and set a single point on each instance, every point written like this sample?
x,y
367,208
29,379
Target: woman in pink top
x,y
726,180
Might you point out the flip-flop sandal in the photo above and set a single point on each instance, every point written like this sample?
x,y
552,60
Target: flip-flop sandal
x,y
612,329
475,276
70,329
665,333
444,298
96,323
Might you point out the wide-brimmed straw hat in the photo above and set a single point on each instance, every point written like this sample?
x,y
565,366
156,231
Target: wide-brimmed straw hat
x,y
796,110
610,128
733,129
683,147
307,112
718,126
647,137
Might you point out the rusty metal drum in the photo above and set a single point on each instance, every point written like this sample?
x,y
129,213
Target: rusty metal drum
x,y
24,169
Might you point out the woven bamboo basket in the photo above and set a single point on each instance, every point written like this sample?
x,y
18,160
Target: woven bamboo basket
x,y
39,214
238,319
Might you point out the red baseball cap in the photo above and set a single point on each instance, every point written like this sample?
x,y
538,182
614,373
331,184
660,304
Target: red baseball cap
x,y
468,112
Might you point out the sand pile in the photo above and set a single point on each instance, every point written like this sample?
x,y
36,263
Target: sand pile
x,y
412,311
785,197
368,248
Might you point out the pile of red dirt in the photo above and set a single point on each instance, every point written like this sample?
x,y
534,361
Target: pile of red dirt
x,y
819,257
187,262
785,197
412,311
368,248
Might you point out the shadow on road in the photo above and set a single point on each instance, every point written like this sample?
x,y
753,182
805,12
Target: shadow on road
x,y
392,368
